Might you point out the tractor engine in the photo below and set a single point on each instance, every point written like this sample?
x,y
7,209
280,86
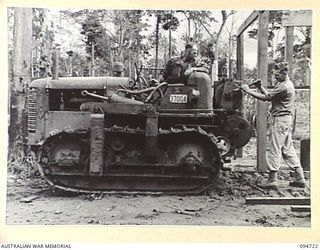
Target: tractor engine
x,y
113,134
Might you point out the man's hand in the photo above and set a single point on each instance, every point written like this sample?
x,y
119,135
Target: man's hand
x,y
245,87
257,83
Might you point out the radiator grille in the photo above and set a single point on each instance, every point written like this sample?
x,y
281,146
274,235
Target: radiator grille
x,y
32,110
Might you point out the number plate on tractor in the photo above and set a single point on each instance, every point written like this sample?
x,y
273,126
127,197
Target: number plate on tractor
x,y
179,98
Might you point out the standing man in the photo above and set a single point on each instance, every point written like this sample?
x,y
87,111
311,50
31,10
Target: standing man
x,y
280,144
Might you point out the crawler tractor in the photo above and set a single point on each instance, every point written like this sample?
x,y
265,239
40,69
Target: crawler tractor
x,y
105,134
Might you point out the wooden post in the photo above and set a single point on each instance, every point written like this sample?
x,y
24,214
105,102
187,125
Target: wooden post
x,y
262,106
240,50
240,57
305,154
289,49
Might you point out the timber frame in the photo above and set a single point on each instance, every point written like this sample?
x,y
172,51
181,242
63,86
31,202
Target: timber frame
x,y
263,17
292,19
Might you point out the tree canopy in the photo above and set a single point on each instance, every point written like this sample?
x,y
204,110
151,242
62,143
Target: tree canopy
x,y
91,40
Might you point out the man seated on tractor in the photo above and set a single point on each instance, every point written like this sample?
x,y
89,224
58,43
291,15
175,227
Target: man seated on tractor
x,y
179,68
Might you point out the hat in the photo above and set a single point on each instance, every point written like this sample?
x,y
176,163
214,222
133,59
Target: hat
x,y
118,67
188,46
281,66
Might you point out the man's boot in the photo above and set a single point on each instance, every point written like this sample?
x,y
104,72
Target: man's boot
x,y
272,182
299,178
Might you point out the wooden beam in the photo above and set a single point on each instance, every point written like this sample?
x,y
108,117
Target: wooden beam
x,y
278,201
240,75
253,16
295,87
300,208
289,48
305,154
262,106
240,52
297,18
306,174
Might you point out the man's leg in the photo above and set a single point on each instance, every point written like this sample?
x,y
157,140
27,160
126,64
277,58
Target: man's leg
x,y
273,155
291,159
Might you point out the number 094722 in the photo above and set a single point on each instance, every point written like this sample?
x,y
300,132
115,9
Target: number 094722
x,y
309,246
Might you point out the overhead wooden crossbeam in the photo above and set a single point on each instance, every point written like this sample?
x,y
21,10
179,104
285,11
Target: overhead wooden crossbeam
x,y
297,18
253,16
291,19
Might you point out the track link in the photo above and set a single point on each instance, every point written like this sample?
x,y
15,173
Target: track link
x,y
78,142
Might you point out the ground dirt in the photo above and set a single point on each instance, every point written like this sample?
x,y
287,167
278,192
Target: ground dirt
x,y
30,201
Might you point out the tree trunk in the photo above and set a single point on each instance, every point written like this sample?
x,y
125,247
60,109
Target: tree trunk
x,y
22,65
230,73
157,46
121,38
216,52
138,51
55,64
92,59
130,69
170,39
111,63
189,29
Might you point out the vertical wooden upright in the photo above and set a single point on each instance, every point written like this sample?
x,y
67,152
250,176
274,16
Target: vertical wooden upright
x,y
240,62
240,57
240,54
262,106
289,48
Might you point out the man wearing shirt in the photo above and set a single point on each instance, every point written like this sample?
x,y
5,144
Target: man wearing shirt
x,y
179,68
280,144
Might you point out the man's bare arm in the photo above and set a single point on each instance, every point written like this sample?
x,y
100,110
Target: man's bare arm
x,y
259,96
263,90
